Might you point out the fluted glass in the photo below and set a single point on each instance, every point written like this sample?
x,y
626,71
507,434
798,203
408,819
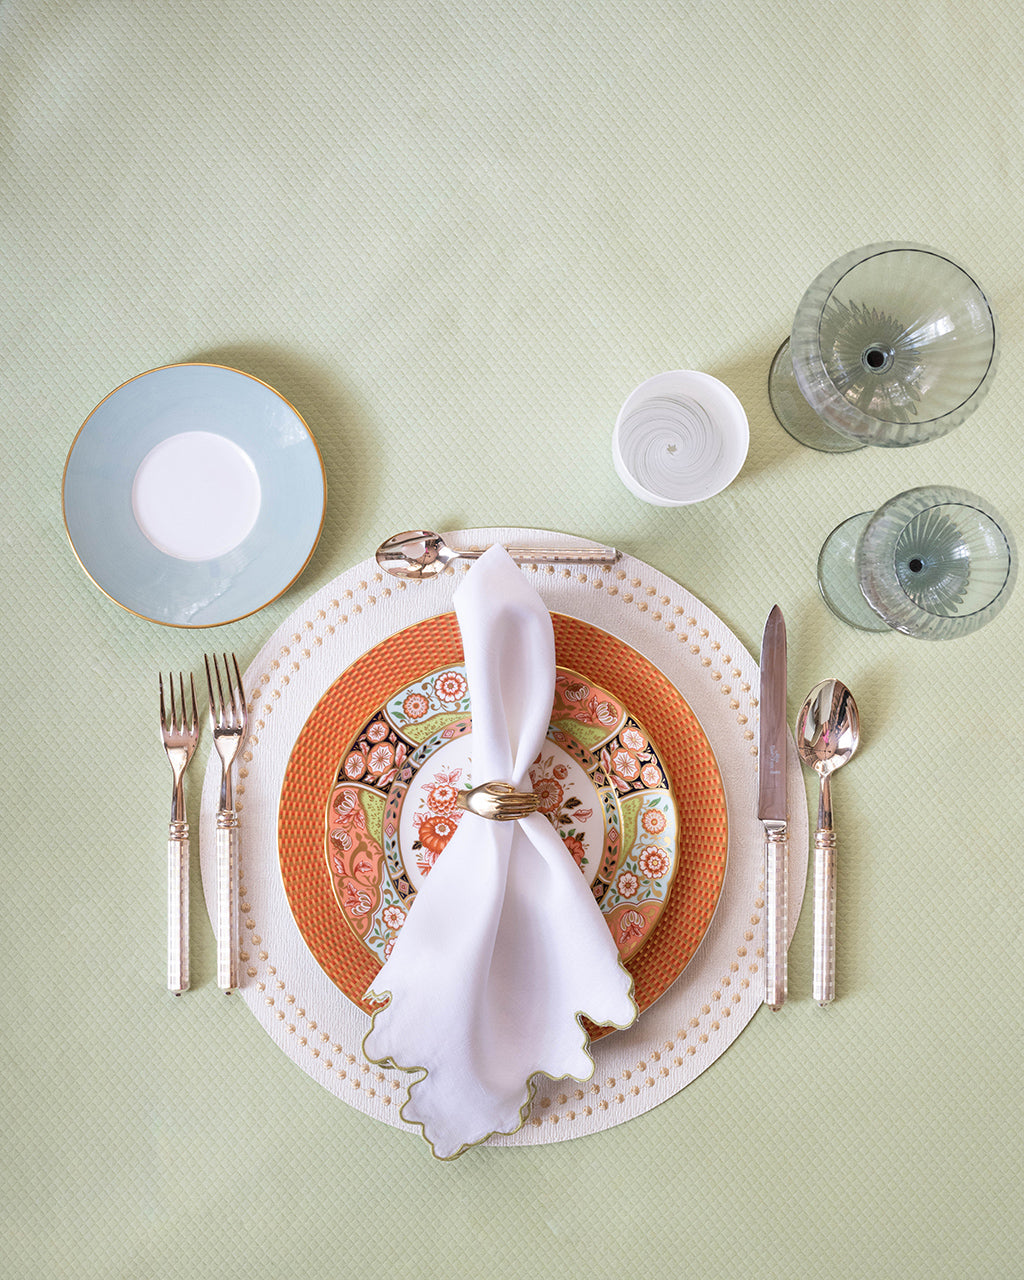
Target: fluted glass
x,y
892,345
935,563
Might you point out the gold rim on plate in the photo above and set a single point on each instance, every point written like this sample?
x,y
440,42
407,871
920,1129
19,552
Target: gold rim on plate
x,y
189,364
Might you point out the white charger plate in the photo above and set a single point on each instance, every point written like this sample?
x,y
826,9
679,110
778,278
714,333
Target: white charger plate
x,y
709,1003
193,495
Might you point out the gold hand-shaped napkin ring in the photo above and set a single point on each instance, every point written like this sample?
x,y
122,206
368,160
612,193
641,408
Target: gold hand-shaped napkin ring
x,y
499,801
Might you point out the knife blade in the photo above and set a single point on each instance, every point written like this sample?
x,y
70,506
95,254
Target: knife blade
x,y
771,804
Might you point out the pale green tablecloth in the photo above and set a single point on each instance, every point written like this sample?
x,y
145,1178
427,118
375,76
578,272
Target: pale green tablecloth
x,y
456,236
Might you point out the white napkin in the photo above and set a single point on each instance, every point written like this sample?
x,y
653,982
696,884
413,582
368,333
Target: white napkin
x,y
504,946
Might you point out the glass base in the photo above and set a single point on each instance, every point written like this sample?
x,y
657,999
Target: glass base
x,y
796,415
837,575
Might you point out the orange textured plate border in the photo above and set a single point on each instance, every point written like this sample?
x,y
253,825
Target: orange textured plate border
x,y
693,774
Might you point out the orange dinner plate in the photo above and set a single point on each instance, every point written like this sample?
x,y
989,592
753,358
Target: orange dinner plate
x,y
365,803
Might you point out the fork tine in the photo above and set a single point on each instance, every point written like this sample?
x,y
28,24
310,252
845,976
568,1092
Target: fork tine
x,y
184,705
239,691
221,704
209,687
228,703
195,715
174,710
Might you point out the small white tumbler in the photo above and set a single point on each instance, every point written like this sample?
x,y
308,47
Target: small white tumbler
x,y
679,438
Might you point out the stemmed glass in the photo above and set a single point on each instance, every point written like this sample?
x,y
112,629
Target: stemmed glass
x,y
935,563
892,345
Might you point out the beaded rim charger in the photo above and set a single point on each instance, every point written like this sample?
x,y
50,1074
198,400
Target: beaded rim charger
x,y
701,1013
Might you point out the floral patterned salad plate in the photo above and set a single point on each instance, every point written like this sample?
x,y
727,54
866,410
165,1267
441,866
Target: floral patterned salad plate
x,y
600,781
627,778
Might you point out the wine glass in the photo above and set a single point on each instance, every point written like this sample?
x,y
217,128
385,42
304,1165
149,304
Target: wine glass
x,y
892,345
935,563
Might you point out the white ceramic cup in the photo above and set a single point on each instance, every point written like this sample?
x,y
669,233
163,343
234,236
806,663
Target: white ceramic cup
x,y
679,438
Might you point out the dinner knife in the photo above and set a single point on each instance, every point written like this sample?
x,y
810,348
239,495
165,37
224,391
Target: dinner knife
x,y
771,804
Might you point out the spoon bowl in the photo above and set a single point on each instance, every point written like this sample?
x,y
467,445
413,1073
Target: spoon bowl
x,y
828,727
827,734
417,553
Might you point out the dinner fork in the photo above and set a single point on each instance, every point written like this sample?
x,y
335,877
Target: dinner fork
x,y
228,723
179,731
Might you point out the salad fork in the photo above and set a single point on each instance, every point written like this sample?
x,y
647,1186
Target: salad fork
x,y
228,723
179,731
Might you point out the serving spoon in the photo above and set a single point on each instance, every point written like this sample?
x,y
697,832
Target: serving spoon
x,y
420,553
827,733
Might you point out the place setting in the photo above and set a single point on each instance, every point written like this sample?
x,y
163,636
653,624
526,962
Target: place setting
x,y
645,772
504,833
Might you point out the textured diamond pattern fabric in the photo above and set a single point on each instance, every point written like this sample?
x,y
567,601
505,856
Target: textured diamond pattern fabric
x,y
455,236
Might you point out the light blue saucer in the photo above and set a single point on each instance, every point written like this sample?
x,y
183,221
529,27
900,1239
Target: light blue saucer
x,y
198,436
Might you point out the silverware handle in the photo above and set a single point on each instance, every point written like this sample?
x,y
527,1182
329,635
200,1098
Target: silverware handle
x,y
824,981
551,555
227,901
177,907
776,883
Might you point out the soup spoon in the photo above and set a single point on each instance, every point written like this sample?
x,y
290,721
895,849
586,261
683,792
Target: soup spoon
x,y
420,553
827,733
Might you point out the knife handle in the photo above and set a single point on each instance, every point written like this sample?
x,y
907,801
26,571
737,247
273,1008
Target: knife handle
x,y
177,907
227,901
776,883
824,982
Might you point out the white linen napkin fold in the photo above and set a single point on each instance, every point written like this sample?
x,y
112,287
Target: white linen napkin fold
x,y
504,946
